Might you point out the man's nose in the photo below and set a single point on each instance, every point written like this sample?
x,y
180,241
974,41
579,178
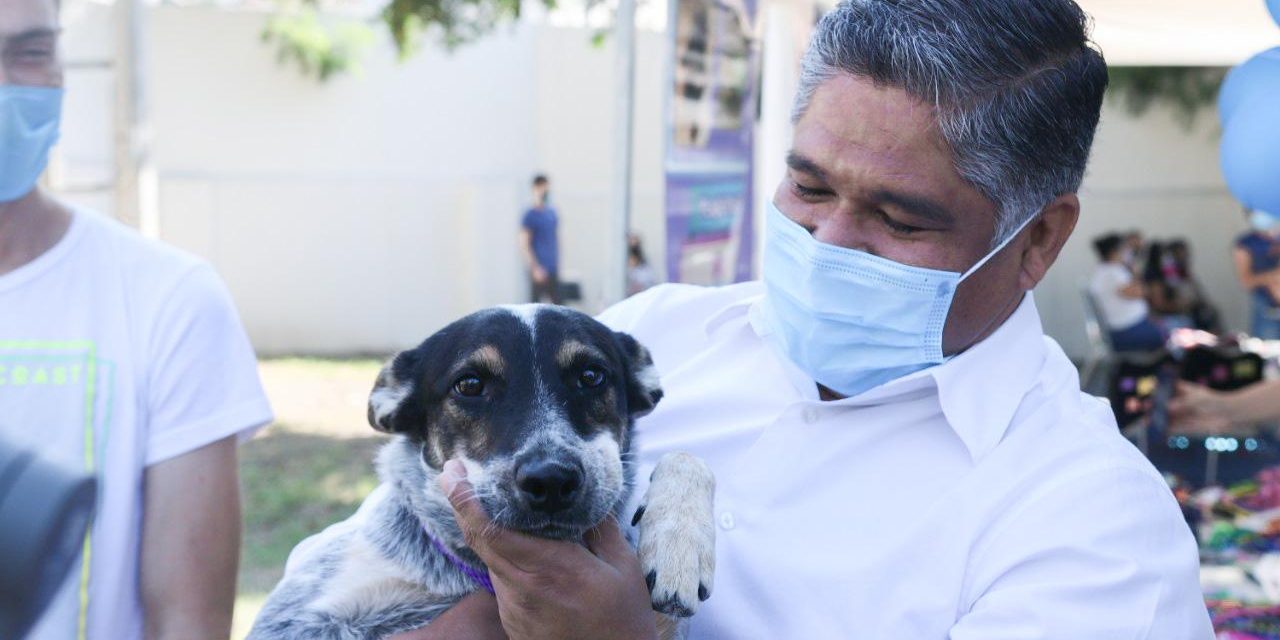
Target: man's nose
x,y
549,485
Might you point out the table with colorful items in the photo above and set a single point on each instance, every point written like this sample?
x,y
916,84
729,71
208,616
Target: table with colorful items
x,y
1238,528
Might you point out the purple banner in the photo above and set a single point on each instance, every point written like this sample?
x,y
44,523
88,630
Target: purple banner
x,y
712,105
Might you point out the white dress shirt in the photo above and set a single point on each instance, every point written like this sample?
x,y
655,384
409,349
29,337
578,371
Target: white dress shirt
x,y
986,498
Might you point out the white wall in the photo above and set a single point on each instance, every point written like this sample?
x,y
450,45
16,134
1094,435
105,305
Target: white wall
x,y
362,214
1150,174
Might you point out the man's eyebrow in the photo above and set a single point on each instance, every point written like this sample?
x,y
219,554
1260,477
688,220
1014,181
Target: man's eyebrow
x,y
916,205
804,165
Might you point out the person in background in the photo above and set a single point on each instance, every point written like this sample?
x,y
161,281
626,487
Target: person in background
x,y
540,243
640,275
122,358
1257,261
1164,298
1121,299
1178,272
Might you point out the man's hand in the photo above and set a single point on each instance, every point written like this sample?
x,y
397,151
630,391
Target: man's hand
x,y
1197,410
556,590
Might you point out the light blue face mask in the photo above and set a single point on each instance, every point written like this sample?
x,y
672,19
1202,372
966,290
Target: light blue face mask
x,y
29,121
850,320
1263,221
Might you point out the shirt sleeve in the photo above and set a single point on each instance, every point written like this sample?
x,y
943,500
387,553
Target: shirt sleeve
x,y
526,221
202,380
1105,556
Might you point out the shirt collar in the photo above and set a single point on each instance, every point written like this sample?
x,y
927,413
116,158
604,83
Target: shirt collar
x,y
979,390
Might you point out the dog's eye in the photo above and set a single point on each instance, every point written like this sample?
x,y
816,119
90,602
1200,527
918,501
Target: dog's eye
x,y
469,386
590,378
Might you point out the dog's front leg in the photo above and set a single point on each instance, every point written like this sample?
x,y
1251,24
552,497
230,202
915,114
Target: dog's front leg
x,y
677,535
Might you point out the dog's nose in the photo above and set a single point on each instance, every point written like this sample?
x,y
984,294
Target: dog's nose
x,y
549,486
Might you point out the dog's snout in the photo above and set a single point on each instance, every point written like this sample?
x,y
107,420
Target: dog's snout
x,y
549,486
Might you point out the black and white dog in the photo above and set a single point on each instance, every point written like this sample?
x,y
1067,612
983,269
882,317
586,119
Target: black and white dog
x,y
538,403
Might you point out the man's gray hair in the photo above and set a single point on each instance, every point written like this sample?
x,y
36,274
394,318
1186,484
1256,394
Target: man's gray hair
x,y
1015,84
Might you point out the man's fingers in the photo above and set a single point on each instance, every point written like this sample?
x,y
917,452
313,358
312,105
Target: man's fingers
x,y
462,497
606,541
501,549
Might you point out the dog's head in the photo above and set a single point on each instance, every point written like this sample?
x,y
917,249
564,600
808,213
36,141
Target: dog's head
x,y
536,401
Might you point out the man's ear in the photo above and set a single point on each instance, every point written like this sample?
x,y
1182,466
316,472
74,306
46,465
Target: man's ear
x,y
391,409
1047,236
643,388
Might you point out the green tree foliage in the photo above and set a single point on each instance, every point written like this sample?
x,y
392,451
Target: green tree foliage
x,y
319,48
1189,90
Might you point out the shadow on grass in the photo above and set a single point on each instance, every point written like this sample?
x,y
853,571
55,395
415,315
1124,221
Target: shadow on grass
x,y
295,484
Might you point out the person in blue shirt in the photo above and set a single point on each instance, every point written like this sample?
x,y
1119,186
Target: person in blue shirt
x,y
540,242
1257,259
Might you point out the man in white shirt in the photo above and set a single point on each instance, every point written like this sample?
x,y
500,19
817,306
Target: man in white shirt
x,y
123,359
900,452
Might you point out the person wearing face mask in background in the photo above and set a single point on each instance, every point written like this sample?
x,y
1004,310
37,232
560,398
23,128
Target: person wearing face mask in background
x,y
1121,299
121,358
899,450
1257,260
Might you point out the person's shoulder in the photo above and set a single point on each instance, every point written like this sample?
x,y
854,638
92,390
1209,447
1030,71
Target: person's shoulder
x,y
131,249
149,269
672,305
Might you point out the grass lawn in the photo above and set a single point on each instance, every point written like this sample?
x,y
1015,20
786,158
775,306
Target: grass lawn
x,y
311,468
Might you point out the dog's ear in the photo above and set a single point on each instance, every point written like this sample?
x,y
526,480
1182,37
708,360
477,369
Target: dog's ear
x,y
643,388
391,409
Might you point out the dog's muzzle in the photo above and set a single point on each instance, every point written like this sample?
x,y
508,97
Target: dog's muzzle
x,y
549,485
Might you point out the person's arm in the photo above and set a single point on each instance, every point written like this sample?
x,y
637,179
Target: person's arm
x,y
530,260
475,617
191,543
202,396
1200,410
1133,291
1248,279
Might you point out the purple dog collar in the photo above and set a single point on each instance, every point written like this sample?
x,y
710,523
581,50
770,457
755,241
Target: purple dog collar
x,y
479,577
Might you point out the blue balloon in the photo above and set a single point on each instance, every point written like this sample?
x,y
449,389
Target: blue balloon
x,y
1259,74
1251,154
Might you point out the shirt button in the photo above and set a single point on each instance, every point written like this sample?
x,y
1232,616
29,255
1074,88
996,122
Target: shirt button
x,y
726,521
810,415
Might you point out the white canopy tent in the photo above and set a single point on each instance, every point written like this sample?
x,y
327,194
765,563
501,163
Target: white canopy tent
x,y
1181,32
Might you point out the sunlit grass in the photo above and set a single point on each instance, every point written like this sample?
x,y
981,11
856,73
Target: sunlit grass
x,y
310,469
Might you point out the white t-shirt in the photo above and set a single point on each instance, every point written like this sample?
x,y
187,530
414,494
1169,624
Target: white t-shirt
x,y
117,353
984,498
1118,312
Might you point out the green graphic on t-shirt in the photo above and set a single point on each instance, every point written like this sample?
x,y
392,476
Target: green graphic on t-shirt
x,y
57,399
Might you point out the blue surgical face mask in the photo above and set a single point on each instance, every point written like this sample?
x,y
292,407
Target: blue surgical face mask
x,y
29,121
850,320
1263,221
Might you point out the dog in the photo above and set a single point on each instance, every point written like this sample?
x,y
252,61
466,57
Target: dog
x,y
538,402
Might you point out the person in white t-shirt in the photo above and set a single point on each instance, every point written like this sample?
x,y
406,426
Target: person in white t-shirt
x,y
1122,300
124,359
899,450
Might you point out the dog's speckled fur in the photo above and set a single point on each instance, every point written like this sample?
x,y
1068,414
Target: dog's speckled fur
x,y
378,574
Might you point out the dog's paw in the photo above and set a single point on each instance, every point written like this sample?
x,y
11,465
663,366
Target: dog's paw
x,y
677,534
